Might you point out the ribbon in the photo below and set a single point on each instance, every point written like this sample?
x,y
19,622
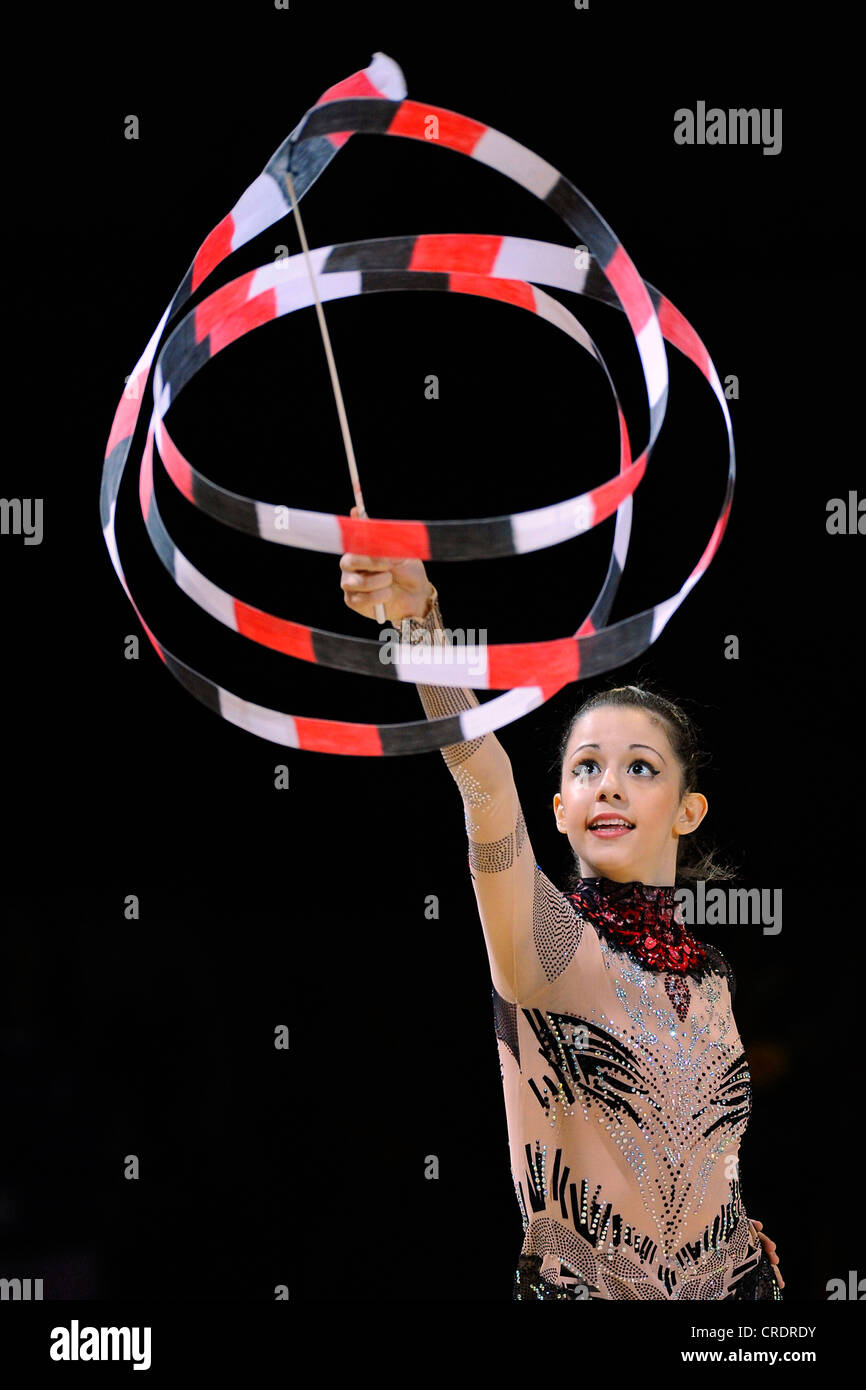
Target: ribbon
x,y
373,101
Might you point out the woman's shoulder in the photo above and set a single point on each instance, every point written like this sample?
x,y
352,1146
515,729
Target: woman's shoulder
x,y
718,964
547,890
557,927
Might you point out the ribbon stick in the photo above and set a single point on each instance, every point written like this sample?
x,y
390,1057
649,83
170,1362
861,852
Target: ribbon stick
x,y
335,380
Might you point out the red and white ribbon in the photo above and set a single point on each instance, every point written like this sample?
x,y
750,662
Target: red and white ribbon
x,y
374,101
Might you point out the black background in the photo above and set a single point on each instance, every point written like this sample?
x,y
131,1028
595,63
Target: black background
x,y
306,907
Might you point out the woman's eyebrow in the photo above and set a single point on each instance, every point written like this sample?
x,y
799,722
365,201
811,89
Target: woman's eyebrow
x,y
631,745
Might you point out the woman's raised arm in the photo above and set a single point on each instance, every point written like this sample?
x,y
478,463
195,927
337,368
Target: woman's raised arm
x,y
501,859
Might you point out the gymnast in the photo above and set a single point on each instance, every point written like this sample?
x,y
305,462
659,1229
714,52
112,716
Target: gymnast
x,y
627,1090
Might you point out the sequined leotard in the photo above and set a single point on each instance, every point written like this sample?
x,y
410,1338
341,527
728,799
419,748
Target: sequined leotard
x,y
627,1091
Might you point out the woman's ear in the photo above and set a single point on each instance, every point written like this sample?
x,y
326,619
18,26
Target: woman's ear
x,y
695,807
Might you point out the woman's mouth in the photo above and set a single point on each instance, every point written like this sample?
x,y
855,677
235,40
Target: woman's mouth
x,y
610,829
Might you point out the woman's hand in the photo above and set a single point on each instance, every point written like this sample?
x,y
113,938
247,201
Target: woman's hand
x,y
770,1247
401,584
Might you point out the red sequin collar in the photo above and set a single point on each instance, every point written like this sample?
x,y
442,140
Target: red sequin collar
x,y
643,918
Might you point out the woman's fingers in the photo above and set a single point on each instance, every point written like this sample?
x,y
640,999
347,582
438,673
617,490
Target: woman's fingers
x,y
365,562
368,591
366,583
765,1240
376,596
770,1247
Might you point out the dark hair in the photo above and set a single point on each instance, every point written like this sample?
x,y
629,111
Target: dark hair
x,y
694,861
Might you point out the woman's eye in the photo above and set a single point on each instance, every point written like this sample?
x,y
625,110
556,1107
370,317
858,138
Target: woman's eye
x,y
585,764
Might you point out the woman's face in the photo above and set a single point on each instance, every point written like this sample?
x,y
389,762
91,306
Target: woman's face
x,y
619,762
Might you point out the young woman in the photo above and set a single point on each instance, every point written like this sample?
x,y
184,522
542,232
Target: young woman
x,y
626,1086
